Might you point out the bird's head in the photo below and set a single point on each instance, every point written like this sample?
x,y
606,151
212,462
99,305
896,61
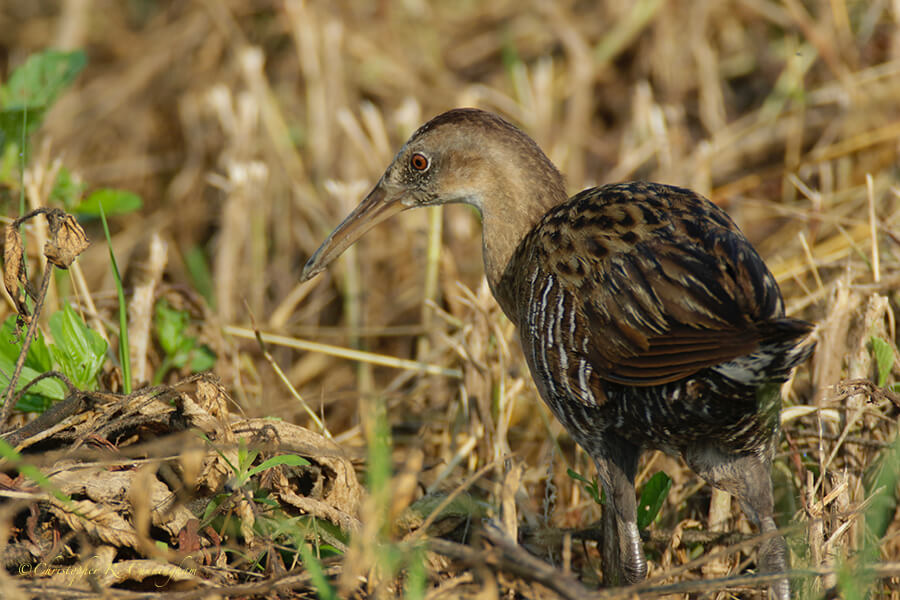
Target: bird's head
x,y
461,156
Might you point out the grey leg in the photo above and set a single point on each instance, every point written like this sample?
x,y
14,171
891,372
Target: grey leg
x,y
623,554
748,478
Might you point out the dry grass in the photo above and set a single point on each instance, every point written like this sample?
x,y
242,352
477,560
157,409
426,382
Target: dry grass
x,y
250,128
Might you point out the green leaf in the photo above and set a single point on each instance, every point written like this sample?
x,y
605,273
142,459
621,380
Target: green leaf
x,y
183,352
577,476
197,264
38,357
42,78
463,506
66,189
652,497
883,352
31,90
210,511
78,350
246,456
592,487
32,403
292,460
37,361
10,163
202,359
881,480
50,388
16,123
114,202
170,325
380,464
314,567
416,576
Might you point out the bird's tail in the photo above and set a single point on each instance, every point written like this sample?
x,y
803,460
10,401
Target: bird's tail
x,y
785,343
791,340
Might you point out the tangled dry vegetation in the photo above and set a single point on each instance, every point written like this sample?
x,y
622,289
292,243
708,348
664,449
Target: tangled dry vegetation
x,y
250,128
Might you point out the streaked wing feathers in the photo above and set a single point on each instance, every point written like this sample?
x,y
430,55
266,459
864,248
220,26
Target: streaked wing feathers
x,y
666,284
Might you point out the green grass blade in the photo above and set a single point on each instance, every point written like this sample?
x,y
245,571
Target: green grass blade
x,y
291,460
124,354
319,580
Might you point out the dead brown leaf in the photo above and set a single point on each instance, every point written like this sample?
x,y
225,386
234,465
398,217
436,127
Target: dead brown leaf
x,y
67,240
14,268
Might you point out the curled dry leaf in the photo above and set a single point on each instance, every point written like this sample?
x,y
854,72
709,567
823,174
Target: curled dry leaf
x,y
98,521
111,488
189,537
212,397
67,240
340,487
247,520
14,277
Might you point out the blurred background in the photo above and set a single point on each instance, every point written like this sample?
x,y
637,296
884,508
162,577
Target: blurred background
x,y
249,129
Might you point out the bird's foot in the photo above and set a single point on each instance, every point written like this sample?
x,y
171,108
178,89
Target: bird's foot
x,y
773,558
634,565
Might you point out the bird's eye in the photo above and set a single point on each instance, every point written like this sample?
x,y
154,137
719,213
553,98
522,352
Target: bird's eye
x,y
419,162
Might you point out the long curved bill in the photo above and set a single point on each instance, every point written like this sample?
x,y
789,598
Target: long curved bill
x,y
376,207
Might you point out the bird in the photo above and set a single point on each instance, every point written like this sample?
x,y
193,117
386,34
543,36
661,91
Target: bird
x,y
646,318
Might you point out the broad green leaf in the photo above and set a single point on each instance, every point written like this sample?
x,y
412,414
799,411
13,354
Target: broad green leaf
x,y
170,324
42,78
32,403
10,345
881,482
183,352
78,350
49,388
883,352
210,511
31,90
463,506
202,359
305,523
652,497
114,202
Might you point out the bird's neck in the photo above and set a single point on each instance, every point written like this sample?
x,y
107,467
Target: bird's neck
x,y
514,209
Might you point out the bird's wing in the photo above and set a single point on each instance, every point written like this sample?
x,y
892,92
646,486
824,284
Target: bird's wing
x,y
661,281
